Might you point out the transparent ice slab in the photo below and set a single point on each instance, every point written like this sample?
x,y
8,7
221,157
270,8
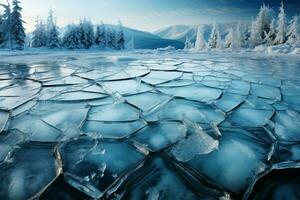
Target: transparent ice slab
x,y
159,77
4,117
35,129
229,101
194,92
287,125
197,142
178,109
117,112
157,136
239,87
30,168
157,180
113,130
94,166
264,91
235,163
71,80
8,142
132,87
147,101
78,96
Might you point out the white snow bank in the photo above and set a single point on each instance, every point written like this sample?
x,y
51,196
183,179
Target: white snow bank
x,y
279,49
168,48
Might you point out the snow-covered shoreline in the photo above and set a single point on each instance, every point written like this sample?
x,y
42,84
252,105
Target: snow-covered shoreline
x,y
78,56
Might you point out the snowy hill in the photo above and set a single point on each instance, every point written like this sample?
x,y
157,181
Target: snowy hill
x,y
142,39
180,32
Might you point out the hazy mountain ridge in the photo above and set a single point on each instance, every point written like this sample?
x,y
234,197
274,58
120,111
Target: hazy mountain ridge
x,y
181,32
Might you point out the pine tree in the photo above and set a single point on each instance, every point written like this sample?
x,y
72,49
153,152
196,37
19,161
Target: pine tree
x,y
272,32
200,43
238,37
53,40
7,26
229,38
188,44
293,32
72,38
111,39
255,37
87,33
271,35
120,38
214,39
68,40
100,36
2,35
39,38
281,27
247,35
261,26
17,28
49,25
130,44
52,32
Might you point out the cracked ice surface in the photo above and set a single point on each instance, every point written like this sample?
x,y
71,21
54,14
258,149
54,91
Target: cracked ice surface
x,y
138,125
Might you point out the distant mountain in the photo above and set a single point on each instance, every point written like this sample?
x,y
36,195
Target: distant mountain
x,y
181,32
142,39
146,40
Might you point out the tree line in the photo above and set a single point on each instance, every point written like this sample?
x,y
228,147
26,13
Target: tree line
x,y
83,35
264,30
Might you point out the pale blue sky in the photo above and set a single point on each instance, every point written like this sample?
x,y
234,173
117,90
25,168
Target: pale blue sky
x,y
148,15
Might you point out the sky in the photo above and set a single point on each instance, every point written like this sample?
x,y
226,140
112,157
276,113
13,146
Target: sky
x,y
149,15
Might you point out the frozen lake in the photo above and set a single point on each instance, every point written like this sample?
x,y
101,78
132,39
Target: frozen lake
x,y
143,125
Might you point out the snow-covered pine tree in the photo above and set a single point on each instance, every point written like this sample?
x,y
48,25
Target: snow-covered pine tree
x,y
271,35
246,35
229,38
17,29
200,43
293,32
50,24
7,25
272,32
261,26
39,35
87,33
281,27
238,37
68,40
120,38
53,40
188,44
255,37
100,36
111,39
2,35
72,38
130,44
263,20
214,39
